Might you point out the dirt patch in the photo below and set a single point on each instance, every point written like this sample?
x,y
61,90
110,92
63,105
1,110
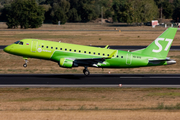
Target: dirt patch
x,y
90,115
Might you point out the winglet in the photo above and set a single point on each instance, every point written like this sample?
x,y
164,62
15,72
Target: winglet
x,y
112,54
106,46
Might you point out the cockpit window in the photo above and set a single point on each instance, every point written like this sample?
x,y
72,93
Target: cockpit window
x,y
21,43
17,42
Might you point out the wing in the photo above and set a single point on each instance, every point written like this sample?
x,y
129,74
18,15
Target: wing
x,y
93,61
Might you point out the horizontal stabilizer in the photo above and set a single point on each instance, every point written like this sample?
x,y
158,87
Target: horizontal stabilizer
x,y
169,61
159,60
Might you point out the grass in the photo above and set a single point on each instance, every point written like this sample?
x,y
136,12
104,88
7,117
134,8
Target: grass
x,y
89,103
52,99
87,37
168,94
161,106
83,38
39,99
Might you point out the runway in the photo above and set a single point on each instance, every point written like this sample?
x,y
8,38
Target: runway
x,y
114,25
94,80
120,47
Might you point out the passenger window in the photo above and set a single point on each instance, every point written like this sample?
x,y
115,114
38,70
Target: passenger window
x,y
107,54
42,46
65,49
74,50
118,56
51,47
46,46
89,52
20,43
121,56
69,49
103,54
94,53
79,51
84,51
98,53
60,48
56,48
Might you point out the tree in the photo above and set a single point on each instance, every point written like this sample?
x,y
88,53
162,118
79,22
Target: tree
x,y
60,8
59,15
88,13
176,14
86,9
47,8
167,9
176,11
144,11
123,11
108,13
73,15
25,13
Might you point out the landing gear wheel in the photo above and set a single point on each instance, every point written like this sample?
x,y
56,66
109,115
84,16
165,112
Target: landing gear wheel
x,y
86,72
25,65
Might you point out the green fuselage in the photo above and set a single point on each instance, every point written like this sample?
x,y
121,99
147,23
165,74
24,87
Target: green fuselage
x,y
33,48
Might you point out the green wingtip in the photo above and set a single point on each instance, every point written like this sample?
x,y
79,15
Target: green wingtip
x,y
106,46
111,55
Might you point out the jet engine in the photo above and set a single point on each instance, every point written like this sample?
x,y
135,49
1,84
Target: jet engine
x,y
67,63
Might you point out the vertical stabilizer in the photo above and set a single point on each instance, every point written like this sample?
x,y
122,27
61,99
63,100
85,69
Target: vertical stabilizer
x,y
160,47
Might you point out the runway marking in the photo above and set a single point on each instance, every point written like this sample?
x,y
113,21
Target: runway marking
x,y
86,86
133,77
164,77
149,77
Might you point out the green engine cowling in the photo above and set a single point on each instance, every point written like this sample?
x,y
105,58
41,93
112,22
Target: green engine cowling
x,y
67,63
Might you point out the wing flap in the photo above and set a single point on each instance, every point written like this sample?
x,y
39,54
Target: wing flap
x,y
91,61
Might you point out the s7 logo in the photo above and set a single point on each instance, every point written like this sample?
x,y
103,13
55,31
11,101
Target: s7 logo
x,y
160,46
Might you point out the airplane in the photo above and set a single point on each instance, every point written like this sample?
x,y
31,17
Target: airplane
x,y
72,55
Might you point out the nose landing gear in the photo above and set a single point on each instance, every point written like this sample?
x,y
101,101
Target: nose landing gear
x,y
86,71
25,64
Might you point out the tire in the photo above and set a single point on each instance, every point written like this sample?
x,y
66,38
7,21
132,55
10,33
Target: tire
x,y
86,72
25,65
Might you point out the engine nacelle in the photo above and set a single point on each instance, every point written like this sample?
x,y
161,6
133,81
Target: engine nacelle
x,y
67,63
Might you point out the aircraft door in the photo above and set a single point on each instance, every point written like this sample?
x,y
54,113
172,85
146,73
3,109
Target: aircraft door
x,y
34,45
128,58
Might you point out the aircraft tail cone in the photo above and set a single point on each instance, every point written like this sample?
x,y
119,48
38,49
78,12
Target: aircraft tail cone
x,y
171,62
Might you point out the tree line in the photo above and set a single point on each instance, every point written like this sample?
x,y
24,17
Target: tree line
x,y
32,13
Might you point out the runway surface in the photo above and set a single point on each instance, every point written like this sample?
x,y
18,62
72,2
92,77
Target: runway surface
x,y
122,47
94,80
114,25
74,30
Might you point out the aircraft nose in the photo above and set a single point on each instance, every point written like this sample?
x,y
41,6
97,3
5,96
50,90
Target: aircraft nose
x,y
7,49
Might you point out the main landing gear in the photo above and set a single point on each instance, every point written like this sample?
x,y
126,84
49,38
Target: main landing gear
x,y
25,64
86,71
